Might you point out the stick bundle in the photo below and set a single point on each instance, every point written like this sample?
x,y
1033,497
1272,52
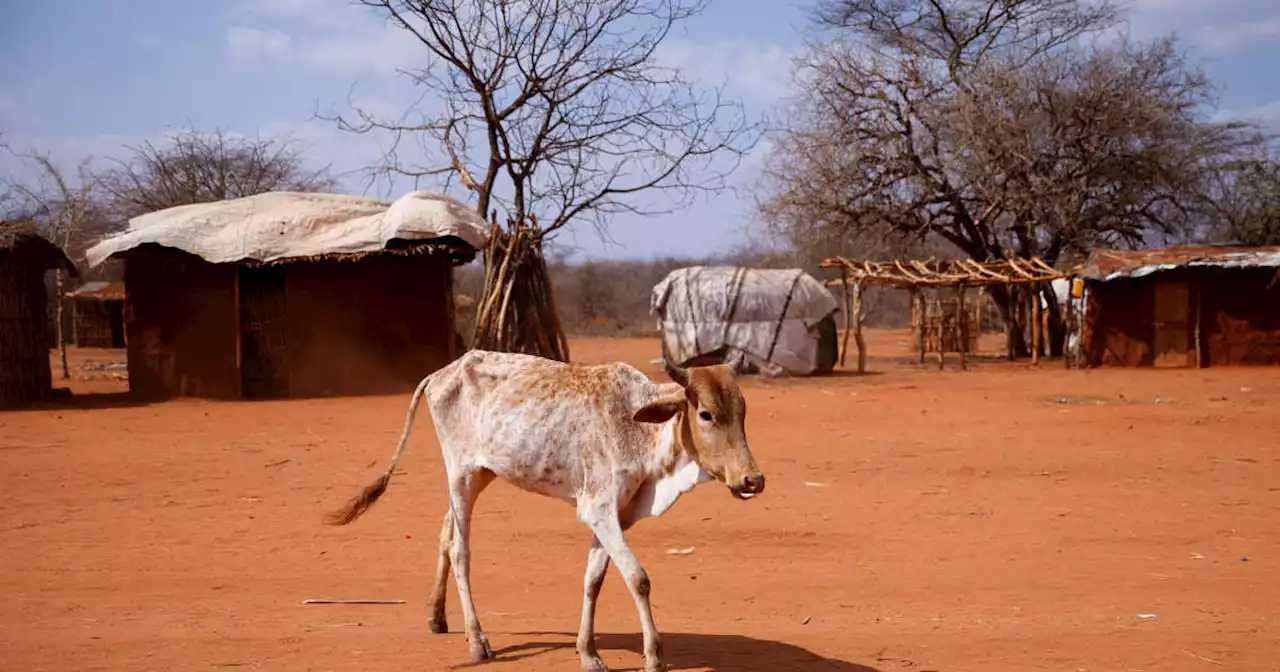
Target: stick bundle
x,y
516,311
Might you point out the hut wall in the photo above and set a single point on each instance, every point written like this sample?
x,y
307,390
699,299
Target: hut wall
x,y
24,354
377,325
1241,316
181,326
1120,327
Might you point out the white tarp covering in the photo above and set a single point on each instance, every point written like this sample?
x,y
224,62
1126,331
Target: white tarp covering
x,y
766,319
283,224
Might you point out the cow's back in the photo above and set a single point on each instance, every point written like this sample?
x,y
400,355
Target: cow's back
x,y
549,424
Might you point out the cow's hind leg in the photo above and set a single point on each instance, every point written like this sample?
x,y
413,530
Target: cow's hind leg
x,y
463,490
597,567
438,624
604,522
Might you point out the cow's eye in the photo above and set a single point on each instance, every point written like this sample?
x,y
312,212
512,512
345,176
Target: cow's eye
x,y
705,415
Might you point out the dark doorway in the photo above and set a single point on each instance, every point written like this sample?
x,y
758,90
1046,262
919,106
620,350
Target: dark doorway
x,y
1172,325
264,345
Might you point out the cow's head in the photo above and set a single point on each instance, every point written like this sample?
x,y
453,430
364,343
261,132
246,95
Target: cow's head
x,y
711,417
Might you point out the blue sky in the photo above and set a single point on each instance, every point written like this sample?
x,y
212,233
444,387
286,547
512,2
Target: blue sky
x,y
82,78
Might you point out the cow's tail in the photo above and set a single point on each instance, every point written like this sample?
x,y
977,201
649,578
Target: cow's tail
x,y
361,502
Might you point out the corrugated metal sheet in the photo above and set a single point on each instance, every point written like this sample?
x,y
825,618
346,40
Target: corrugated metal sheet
x,y
99,290
1104,265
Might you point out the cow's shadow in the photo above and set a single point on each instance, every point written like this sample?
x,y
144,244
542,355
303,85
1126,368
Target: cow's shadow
x,y
718,653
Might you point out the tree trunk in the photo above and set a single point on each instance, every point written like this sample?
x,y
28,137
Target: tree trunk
x,y
1010,313
59,331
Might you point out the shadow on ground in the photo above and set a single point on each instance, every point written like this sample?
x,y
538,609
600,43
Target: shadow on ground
x,y
685,651
62,400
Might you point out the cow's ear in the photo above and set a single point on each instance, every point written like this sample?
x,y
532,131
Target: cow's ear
x,y
661,410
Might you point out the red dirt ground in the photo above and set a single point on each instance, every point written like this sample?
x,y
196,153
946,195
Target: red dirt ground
x,y
1002,518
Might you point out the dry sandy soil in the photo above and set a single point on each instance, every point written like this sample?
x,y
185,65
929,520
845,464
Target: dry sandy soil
x,y
1003,518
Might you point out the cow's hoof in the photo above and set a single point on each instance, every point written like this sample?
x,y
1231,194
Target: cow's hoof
x,y
480,650
655,666
438,626
594,664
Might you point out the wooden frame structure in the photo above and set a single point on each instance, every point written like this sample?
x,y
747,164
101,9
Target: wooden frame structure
x,y
958,274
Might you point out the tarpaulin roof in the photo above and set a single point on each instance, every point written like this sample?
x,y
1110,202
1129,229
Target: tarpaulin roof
x,y
286,225
1112,264
766,315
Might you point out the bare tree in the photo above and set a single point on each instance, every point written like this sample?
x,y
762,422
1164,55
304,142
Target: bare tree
x,y
558,108
553,111
1245,202
64,210
192,166
991,125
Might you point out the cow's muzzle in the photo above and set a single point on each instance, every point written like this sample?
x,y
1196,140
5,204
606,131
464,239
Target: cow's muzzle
x,y
749,487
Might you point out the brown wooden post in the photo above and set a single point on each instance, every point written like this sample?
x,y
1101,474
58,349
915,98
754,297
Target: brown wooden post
x,y
239,326
1011,305
1044,321
857,326
963,328
1199,307
942,340
844,289
1035,323
917,306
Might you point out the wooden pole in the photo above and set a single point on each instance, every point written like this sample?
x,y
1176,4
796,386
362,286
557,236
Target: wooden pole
x,y
917,307
1035,323
1198,335
942,323
235,310
1068,357
857,326
1011,319
1047,292
963,328
844,290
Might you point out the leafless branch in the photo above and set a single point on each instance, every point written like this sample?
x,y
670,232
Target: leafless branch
x,y
559,108
196,167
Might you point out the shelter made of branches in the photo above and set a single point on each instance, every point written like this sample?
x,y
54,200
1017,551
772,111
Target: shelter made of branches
x,y
953,322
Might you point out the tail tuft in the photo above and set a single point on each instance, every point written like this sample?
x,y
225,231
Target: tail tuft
x,y
360,503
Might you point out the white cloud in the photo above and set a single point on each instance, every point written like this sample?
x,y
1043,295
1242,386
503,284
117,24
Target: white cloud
x,y
1240,35
760,71
1267,114
331,38
1215,26
248,44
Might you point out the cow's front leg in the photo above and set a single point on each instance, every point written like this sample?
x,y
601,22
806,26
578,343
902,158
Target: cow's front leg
x,y
597,567
604,522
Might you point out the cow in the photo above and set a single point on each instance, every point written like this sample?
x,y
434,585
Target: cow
x,y
605,438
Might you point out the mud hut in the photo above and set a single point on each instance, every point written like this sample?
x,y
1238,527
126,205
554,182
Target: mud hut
x,y
1179,307
768,321
25,256
292,294
97,314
